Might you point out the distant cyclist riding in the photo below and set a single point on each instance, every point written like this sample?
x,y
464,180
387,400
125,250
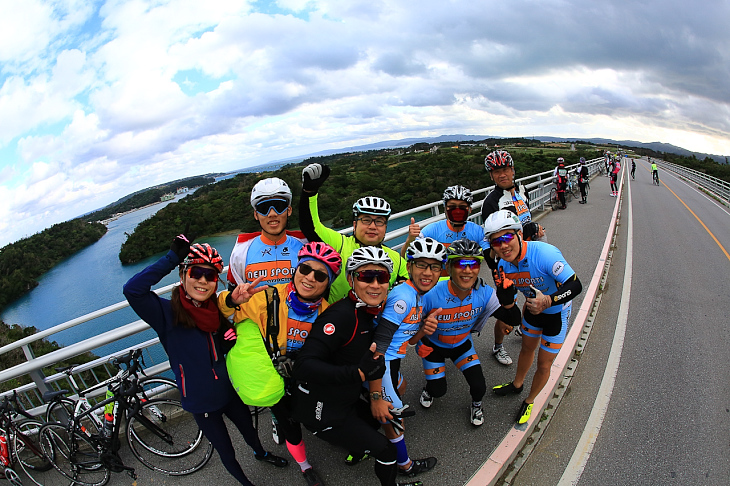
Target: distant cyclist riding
x,y
655,173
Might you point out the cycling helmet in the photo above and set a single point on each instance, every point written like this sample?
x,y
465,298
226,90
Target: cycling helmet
x,y
560,160
582,160
464,248
377,206
322,252
497,160
460,193
269,189
368,254
426,248
203,253
501,220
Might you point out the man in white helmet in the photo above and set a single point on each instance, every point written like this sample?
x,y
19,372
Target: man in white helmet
x,y
370,223
271,252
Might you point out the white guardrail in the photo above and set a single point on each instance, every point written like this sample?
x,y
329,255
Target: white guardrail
x,y
714,185
537,186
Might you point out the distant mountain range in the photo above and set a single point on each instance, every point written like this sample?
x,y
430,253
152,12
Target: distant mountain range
x,y
407,142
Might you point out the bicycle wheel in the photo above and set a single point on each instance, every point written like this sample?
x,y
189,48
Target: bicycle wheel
x,y
166,438
28,455
62,410
575,190
11,476
73,455
554,202
159,387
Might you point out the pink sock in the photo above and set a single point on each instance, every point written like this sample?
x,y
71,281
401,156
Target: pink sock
x,y
299,453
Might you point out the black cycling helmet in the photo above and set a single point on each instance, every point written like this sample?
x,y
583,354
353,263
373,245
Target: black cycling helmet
x,y
464,248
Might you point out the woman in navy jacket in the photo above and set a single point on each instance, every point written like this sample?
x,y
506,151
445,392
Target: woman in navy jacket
x,y
196,336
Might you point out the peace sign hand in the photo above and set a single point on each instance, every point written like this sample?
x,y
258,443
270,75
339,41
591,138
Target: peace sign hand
x,y
243,292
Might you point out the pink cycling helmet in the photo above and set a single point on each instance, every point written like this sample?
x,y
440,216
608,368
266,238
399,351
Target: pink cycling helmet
x,y
497,160
203,254
322,252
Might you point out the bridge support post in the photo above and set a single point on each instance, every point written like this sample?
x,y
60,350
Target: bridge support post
x,y
38,377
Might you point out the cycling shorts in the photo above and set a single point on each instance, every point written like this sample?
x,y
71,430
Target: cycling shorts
x,y
552,328
463,356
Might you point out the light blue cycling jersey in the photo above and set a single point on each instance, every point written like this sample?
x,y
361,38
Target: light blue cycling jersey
x,y
255,255
444,233
402,308
459,317
543,266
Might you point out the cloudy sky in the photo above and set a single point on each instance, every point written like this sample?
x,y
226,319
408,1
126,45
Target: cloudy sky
x,y
102,98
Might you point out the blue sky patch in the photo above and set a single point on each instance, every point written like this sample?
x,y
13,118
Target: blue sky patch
x,y
193,81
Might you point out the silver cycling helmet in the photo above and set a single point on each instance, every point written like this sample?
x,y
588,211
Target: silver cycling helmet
x,y
270,188
501,220
426,248
368,254
460,193
377,206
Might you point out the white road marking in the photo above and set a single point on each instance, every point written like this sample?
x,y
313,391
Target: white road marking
x,y
584,448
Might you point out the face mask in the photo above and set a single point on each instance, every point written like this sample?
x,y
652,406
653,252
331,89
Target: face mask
x,y
457,215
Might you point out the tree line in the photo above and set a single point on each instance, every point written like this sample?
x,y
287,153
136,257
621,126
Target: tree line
x,y
22,262
404,177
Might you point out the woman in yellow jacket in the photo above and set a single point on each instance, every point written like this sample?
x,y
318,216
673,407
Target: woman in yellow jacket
x,y
303,299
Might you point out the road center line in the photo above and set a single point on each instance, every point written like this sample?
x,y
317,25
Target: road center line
x,y
584,448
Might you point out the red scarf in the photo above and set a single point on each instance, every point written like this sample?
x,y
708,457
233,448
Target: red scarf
x,y
205,314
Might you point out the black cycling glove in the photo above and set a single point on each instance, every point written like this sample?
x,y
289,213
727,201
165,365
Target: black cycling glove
x,y
529,230
506,290
313,176
372,368
180,246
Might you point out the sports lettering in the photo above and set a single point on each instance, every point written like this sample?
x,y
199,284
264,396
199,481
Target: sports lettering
x,y
561,296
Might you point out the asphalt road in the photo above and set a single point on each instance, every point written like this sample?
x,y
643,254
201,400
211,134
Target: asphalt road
x,y
668,419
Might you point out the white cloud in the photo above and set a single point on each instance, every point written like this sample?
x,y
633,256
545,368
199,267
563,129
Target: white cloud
x,y
91,110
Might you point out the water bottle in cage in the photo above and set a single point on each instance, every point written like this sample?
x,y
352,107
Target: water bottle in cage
x,y
108,416
4,453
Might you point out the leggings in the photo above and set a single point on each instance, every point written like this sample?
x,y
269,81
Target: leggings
x,y
214,428
358,434
287,426
582,186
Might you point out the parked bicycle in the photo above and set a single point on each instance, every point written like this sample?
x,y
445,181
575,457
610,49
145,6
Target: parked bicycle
x,y
572,190
21,457
160,434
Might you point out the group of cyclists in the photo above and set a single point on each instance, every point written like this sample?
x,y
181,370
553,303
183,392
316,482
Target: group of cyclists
x,y
334,315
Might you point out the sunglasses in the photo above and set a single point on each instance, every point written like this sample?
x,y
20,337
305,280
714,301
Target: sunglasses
x,y
197,273
278,205
465,263
502,240
435,267
368,276
319,275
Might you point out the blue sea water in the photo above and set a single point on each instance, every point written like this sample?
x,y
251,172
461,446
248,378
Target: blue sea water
x,y
93,279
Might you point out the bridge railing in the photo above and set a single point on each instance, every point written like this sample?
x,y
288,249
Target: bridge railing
x,y
538,189
714,185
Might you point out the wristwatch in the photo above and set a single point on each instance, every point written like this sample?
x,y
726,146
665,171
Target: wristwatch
x,y
374,396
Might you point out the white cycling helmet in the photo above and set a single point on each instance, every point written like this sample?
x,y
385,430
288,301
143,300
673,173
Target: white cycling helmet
x,y
501,220
426,248
377,206
269,189
368,254
460,193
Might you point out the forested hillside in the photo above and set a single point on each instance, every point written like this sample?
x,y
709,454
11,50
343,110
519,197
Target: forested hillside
x,y
27,259
405,178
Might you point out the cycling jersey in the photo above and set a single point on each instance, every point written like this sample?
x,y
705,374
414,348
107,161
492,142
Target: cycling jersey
x,y
501,199
292,335
542,266
653,167
254,255
444,232
402,308
344,245
459,317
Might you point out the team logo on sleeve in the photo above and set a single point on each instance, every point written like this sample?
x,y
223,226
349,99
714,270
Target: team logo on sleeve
x,y
400,307
329,329
557,268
